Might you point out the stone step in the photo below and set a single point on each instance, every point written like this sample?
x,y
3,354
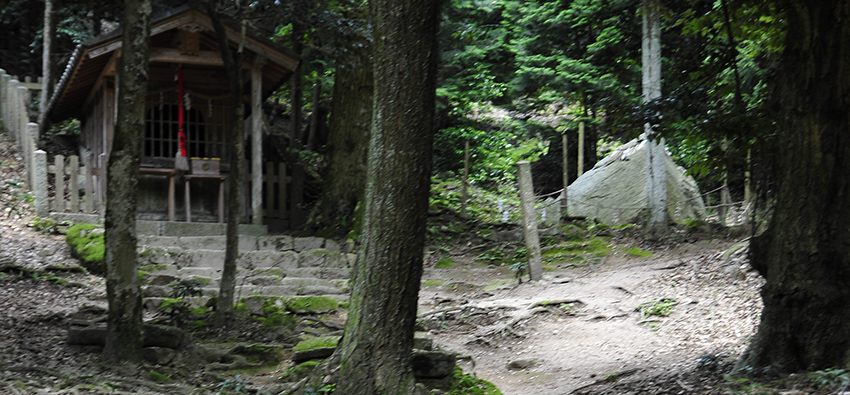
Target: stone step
x,y
246,242
167,228
338,289
318,261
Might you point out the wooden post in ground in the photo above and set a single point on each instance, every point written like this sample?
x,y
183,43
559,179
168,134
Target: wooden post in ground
x,y
580,165
257,141
529,221
725,198
463,195
566,175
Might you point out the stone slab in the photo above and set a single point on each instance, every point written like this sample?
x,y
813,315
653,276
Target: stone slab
x,y
275,243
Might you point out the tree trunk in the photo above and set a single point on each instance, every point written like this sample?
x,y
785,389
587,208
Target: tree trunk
x,y
124,323
345,178
46,65
656,174
236,144
804,255
378,340
296,91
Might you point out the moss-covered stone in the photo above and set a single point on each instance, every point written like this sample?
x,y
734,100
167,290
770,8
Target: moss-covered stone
x,y
158,377
314,342
314,348
87,245
311,304
299,371
468,384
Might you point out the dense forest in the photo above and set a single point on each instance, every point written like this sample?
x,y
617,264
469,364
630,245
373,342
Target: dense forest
x,y
514,76
753,99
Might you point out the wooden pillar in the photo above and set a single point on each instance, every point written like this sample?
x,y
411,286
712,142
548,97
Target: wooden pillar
x,y
580,165
257,141
464,192
566,175
46,64
529,221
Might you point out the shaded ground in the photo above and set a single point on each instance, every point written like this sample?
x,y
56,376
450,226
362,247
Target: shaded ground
x,y
578,331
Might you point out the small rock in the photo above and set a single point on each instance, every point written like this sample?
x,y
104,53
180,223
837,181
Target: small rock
x,y
523,364
157,355
432,364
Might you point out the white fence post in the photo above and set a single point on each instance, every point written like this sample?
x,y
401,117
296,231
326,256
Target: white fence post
x,y
42,204
4,81
12,123
28,147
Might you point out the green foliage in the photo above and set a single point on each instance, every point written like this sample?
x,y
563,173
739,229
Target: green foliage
x,y
158,377
746,386
832,377
694,224
493,153
298,372
444,262
636,251
87,244
465,384
234,385
69,127
519,269
187,287
176,310
44,225
311,304
661,308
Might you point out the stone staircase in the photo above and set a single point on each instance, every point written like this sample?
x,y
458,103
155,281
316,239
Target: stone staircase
x,y
267,265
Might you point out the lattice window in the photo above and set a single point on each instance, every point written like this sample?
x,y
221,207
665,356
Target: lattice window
x,y
205,119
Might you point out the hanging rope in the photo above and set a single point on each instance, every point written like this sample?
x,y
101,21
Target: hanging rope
x,y
181,134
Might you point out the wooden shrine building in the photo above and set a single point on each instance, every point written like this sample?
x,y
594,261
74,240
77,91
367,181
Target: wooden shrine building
x,y
184,59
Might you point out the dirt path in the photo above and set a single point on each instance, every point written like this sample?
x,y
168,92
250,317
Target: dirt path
x,y
580,326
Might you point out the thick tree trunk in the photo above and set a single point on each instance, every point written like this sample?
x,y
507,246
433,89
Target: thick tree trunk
x,y
804,255
378,340
124,323
656,175
345,178
236,144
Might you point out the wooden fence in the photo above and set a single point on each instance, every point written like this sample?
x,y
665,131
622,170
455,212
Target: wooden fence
x,y
69,186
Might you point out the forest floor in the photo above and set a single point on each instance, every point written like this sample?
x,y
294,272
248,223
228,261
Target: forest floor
x,y
672,322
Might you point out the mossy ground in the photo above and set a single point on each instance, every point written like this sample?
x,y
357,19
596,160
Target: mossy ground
x,y
88,246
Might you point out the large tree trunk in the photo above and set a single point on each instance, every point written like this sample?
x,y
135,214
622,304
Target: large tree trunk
x,y
378,340
345,178
804,255
236,144
124,323
656,173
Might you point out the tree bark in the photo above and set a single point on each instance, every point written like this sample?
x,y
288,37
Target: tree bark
x,y
124,322
804,255
344,181
46,64
656,174
378,340
236,143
